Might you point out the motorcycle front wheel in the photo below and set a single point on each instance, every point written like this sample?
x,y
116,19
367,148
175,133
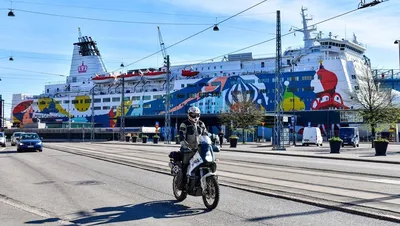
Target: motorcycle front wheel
x,y
180,195
211,194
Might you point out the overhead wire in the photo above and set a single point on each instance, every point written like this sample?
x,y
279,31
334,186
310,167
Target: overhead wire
x,y
110,20
114,9
131,11
39,72
211,59
286,34
191,36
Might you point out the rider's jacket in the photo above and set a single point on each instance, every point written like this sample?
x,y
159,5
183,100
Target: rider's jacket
x,y
190,132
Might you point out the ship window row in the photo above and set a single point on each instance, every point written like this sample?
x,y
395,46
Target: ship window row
x,y
304,78
236,82
115,107
332,44
202,84
342,46
208,68
211,94
208,103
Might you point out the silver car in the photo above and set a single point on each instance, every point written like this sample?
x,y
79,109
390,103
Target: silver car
x,y
14,137
2,139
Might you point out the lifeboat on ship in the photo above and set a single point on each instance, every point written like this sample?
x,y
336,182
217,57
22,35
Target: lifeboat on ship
x,y
131,77
189,73
154,75
103,79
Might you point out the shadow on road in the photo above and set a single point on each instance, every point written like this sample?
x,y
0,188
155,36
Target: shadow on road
x,y
125,213
16,152
8,152
340,207
289,215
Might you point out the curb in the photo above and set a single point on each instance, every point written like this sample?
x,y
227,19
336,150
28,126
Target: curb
x,y
282,153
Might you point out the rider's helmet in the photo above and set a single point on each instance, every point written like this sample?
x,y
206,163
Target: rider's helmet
x,y
194,114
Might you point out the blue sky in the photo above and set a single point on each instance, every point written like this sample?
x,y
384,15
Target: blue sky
x,y
44,43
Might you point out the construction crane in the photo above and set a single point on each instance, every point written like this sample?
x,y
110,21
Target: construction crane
x,y
164,52
167,127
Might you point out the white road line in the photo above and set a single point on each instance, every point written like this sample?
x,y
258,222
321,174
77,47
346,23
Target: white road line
x,y
386,181
31,209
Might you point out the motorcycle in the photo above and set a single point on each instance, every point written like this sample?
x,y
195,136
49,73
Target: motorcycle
x,y
201,178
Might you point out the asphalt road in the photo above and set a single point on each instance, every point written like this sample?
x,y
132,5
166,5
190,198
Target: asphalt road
x,y
55,187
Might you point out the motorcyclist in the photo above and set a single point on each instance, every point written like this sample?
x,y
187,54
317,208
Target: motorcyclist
x,y
189,135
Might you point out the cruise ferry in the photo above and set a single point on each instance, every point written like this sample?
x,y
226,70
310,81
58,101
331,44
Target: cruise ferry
x,y
316,78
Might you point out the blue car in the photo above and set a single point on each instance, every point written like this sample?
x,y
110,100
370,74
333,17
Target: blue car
x,y
29,141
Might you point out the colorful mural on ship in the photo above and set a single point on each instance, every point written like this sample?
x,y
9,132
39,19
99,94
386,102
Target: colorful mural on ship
x,y
305,90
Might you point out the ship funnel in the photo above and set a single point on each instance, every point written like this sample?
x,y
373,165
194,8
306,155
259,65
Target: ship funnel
x,y
86,60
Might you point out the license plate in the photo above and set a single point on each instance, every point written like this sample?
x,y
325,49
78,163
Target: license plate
x,y
31,146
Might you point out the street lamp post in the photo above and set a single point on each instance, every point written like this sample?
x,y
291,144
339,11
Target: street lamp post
x,y
293,122
92,116
262,132
69,115
398,43
396,129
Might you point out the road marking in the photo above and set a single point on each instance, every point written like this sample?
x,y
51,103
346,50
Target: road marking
x,y
31,209
386,181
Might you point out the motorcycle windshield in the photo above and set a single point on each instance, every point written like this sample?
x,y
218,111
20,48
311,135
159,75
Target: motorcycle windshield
x,y
206,153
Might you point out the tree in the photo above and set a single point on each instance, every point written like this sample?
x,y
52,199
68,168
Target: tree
x,y
242,115
375,102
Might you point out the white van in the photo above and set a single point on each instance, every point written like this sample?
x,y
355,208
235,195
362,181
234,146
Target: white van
x,y
312,135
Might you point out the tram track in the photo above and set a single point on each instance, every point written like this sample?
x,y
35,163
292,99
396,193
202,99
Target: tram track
x,y
270,186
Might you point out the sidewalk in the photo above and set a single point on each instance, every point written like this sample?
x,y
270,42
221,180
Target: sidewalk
x,y
363,153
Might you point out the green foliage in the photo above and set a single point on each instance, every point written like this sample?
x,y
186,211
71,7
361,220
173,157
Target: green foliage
x,y
156,136
336,139
374,102
233,137
242,114
144,136
381,140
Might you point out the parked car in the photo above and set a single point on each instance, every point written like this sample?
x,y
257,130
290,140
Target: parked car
x,y
15,137
350,136
312,135
30,141
2,139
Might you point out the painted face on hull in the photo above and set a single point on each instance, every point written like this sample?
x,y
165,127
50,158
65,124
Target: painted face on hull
x,y
324,84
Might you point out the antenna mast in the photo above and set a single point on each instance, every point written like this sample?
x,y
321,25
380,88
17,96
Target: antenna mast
x,y
308,41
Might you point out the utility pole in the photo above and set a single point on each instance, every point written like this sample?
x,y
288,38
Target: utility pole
x,y
92,119
278,125
167,123
69,115
122,121
1,112
293,119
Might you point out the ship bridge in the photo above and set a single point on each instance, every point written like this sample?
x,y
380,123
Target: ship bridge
x,y
339,46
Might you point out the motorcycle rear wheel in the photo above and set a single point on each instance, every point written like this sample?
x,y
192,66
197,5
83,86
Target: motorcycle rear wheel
x,y
180,195
211,195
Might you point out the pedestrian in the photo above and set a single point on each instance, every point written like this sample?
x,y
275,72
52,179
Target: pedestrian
x,y
221,138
